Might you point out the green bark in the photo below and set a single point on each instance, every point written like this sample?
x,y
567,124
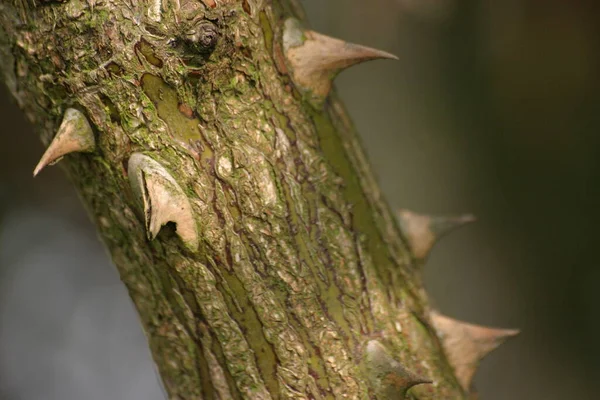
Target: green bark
x,y
300,262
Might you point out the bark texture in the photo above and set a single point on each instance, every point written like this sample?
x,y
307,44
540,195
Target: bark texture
x,y
300,285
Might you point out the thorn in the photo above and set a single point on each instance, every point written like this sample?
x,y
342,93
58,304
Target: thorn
x,y
466,344
423,231
316,59
387,375
163,199
74,135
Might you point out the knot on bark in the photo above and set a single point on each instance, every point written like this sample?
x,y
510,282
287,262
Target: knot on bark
x,y
197,41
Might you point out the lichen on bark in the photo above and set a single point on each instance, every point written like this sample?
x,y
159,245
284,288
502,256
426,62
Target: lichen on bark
x,y
299,263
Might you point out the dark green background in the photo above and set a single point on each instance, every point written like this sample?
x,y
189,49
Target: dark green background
x,y
493,108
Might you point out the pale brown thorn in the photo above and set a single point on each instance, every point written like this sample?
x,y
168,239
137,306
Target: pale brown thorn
x,y
74,135
466,344
163,199
423,231
316,59
389,378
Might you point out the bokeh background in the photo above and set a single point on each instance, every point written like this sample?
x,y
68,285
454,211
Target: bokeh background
x,y
493,108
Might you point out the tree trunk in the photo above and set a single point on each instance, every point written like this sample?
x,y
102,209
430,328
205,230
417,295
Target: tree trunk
x,y
279,271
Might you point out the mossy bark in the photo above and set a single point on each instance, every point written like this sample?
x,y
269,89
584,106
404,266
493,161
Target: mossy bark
x,y
300,261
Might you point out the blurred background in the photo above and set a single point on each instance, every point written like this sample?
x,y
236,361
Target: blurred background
x,y
493,108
